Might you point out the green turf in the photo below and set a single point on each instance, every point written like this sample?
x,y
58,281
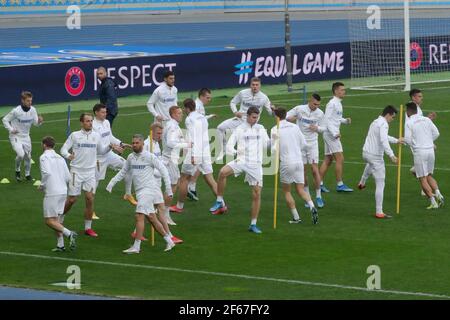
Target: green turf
x,y
411,249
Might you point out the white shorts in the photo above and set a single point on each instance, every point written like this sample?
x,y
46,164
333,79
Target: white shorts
x,y
253,173
424,163
21,145
111,160
230,124
312,153
145,203
191,169
174,171
376,163
292,173
82,181
54,205
332,145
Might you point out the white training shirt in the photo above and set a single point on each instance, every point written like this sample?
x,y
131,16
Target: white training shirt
x,y
142,166
54,173
103,128
305,118
291,142
421,133
161,100
377,139
197,133
19,120
173,141
85,146
419,112
246,99
251,142
333,117
200,108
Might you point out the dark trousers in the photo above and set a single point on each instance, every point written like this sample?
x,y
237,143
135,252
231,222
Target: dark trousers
x,y
110,118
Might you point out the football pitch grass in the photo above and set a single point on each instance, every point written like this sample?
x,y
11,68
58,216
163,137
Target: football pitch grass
x,y
220,259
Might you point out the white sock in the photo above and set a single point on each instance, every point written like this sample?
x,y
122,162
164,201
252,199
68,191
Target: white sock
x,y
87,224
180,205
379,194
366,174
311,204
253,221
18,163
137,244
170,234
433,201
192,186
220,198
27,165
318,193
340,183
295,214
321,183
438,193
60,242
66,232
168,238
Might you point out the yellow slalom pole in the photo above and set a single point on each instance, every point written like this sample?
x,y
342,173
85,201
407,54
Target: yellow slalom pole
x,y
151,226
399,167
277,159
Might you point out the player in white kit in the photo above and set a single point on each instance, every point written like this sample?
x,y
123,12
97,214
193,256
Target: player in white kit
x,y
290,141
309,119
198,158
332,138
141,164
247,98
173,143
375,146
251,139
54,179
420,135
84,144
164,97
18,122
110,160
204,98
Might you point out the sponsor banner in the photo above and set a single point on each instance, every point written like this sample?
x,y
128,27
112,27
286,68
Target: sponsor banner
x,y
141,75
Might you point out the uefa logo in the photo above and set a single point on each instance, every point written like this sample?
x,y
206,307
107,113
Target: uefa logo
x,y
416,55
75,81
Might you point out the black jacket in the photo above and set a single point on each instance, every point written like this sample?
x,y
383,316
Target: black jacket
x,y
108,95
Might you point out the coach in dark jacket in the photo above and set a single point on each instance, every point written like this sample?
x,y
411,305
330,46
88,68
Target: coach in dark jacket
x,y
108,94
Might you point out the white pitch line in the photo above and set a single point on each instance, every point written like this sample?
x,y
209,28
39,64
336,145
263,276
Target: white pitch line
x,y
230,275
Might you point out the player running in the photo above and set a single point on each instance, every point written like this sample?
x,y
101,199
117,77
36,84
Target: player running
x,y
173,143
251,139
376,144
247,98
198,158
309,119
54,179
164,97
204,98
420,135
332,138
18,122
291,141
141,164
85,145
110,159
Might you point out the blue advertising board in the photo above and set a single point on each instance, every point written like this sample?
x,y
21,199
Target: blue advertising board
x,y
59,82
